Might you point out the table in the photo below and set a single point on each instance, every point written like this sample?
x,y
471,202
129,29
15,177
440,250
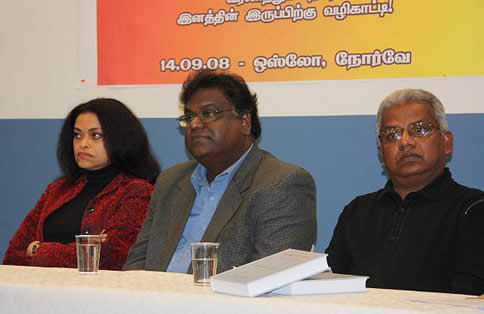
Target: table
x,y
64,290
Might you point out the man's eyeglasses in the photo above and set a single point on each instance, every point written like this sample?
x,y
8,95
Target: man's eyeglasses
x,y
204,116
415,129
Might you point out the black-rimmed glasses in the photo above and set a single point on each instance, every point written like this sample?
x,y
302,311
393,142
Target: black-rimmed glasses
x,y
415,129
204,116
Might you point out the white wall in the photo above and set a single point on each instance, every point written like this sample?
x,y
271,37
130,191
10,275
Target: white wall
x,y
40,63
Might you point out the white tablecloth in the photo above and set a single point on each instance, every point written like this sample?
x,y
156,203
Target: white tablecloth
x,y
62,290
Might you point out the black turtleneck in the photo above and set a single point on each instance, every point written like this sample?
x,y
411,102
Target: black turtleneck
x,y
64,223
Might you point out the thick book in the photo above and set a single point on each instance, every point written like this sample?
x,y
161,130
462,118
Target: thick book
x,y
269,273
325,283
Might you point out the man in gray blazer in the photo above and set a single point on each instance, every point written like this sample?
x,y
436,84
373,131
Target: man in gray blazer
x,y
236,194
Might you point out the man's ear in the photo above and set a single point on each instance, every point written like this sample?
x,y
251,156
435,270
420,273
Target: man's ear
x,y
448,143
380,154
246,123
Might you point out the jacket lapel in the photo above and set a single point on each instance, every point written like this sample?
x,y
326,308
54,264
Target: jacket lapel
x,y
232,197
181,205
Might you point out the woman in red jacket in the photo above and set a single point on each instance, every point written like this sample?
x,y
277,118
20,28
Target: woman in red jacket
x,y
106,163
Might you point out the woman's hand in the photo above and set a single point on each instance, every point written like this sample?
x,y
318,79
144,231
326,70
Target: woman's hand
x,y
104,236
30,250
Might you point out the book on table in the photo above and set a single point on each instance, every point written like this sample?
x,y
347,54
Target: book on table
x,y
269,273
325,283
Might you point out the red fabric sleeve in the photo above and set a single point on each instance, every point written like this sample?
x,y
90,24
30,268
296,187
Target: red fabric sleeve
x,y
26,233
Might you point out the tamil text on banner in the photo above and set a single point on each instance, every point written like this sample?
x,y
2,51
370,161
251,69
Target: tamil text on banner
x,y
156,42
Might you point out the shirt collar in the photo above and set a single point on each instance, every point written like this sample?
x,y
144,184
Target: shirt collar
x,y
199,176
433,190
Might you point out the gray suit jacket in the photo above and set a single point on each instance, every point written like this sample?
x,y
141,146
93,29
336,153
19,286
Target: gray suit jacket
x,y
268,206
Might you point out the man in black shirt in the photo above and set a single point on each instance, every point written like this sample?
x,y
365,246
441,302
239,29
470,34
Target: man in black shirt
x,y
422,231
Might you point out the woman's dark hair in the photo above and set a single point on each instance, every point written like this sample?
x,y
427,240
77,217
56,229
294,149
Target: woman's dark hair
x,y
234,88
125,140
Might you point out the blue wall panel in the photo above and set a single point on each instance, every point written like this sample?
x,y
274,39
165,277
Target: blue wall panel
x,y
340,152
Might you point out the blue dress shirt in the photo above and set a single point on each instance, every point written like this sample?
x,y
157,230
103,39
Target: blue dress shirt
x,y
206,201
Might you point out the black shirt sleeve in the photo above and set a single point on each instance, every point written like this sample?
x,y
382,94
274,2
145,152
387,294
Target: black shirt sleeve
x,y
469,274
339,258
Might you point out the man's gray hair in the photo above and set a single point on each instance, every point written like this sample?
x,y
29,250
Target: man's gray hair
x,y
410,95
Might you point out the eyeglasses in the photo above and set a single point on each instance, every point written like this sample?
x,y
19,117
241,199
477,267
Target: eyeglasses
x,y
415,129
204,116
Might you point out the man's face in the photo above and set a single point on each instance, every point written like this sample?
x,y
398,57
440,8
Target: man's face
x,y
414,158
221,141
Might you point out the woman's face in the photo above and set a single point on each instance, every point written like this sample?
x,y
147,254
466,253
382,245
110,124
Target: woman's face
x,y
88,141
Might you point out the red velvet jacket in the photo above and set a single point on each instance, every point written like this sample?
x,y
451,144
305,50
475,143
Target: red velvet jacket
x,y
119,209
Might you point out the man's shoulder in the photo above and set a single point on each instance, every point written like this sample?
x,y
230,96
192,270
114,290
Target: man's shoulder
x,y
177,171
468,197
370,196
368,201
274,167
468,191
267,174
172,180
